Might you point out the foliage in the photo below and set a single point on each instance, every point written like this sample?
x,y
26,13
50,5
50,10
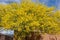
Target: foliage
x,y
27,17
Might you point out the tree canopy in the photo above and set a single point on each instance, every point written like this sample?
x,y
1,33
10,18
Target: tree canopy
x,y
27,17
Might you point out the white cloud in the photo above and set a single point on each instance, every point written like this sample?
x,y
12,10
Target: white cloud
x,y
7,32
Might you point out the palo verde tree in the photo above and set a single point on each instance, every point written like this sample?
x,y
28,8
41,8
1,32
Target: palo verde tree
x,y
27,16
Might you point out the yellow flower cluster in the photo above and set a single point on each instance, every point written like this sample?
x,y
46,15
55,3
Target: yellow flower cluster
x,y
26,17
17,16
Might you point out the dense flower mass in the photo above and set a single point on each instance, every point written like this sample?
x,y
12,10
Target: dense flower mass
x,y
27,17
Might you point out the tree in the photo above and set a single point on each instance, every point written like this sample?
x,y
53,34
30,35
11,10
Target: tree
x,y
27,16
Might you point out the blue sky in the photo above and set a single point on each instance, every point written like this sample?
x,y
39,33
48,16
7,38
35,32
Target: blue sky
x,y
50,3
46,2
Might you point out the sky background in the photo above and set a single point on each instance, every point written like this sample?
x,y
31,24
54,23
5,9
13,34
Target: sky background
x,y
49,3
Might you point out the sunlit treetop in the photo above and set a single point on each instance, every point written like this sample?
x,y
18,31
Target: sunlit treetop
x,y
28,16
